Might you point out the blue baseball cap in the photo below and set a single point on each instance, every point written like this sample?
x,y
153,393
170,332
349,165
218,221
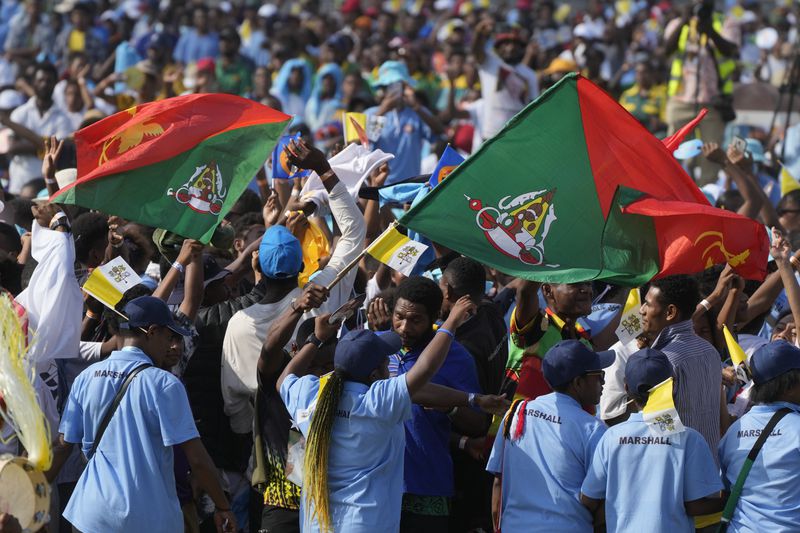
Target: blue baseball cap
x,y
569,359
360,352
280,254
645,369
772,360
146,311
393,71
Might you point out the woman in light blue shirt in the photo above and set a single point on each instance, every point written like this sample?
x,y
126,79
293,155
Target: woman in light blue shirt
x,y
353,423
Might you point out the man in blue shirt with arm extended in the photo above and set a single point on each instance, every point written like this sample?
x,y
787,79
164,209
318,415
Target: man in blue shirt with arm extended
x,y
129,484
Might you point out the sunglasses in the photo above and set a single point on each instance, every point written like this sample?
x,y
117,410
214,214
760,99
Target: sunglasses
x,y
782,212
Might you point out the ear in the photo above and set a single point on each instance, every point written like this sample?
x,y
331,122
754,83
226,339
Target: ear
x,y
672,312
547,291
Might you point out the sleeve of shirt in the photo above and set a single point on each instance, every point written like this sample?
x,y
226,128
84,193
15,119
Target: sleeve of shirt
x,y
72,418
591,445
174,415
594,486
723,461
495,463
526,334
458,371
700,474
298,393
388,399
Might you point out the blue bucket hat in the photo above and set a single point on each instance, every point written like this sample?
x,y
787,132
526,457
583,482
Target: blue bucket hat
x,y
391,72
280,254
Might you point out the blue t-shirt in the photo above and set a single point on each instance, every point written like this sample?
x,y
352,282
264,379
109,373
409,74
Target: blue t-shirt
x,y
129,484
403,135
646,480
543,470
770,499
365,462
192,46
428,465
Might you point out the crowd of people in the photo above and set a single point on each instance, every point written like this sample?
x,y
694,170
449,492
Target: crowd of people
x,y
277,389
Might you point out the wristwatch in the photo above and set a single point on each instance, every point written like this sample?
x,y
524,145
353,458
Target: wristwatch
x,y
312,339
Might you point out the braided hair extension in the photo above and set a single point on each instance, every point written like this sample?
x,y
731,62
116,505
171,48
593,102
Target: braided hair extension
x,y
315,476
510,417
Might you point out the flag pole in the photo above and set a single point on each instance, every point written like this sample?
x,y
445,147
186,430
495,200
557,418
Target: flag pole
x,y
355,261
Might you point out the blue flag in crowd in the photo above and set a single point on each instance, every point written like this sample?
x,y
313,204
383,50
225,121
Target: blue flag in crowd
x,y
281,168
448,163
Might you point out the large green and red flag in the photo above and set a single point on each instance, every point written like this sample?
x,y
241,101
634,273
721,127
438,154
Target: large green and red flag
x,y
573,188
178,164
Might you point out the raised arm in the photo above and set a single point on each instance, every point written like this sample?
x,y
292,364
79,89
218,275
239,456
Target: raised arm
x,y
302,360
282,329
432,357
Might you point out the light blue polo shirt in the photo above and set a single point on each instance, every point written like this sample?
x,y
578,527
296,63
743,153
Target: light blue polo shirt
x,y
543,470
770,498
129,484
404,134
365,465
646,480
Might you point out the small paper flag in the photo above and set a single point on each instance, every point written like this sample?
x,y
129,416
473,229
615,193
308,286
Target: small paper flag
x,y
107,283
659,413
630,324
397,251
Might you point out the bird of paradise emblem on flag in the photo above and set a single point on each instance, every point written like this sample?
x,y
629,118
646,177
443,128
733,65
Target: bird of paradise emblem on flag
x,y
130,137
518,226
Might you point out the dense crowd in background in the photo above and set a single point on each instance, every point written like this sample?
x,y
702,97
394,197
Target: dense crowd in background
x,y
414,429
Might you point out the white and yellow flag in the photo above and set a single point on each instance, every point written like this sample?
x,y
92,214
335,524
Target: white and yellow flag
x,y
630,325
659,413
107,283
396,251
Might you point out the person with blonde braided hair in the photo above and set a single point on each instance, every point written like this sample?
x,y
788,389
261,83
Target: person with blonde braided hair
x,y
353,423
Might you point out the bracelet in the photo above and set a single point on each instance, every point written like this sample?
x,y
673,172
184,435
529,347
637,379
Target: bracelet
x,y
706,304
179,267
51,181
443,330
452,412
462,442
327,174
295,193
92,316
471,397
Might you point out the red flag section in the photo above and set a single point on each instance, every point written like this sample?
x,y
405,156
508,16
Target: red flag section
x,y
673,141
122,142
693,237
623,152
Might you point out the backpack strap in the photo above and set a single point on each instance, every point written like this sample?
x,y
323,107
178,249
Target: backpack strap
x,y
736,490
113,407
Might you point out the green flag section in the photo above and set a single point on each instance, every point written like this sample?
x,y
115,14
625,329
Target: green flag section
x,y
183,177
556,196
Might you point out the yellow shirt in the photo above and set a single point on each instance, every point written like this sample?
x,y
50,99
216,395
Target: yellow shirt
x,y
77,41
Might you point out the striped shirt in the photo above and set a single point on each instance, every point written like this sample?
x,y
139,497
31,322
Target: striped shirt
x,y
698,379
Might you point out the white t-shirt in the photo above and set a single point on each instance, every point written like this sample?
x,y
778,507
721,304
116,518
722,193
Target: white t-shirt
x,y
505,90
24,168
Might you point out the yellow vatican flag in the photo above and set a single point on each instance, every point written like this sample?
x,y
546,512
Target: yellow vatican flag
x,y
788,182
107,283
396,251
734,350
630,325
659,413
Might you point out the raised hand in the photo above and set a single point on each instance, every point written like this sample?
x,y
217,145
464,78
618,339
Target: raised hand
x,y
313,296
307,157
378,315
460,313
52,150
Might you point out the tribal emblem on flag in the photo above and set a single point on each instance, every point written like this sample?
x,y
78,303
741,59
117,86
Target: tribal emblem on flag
x,y
204,192
518,227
